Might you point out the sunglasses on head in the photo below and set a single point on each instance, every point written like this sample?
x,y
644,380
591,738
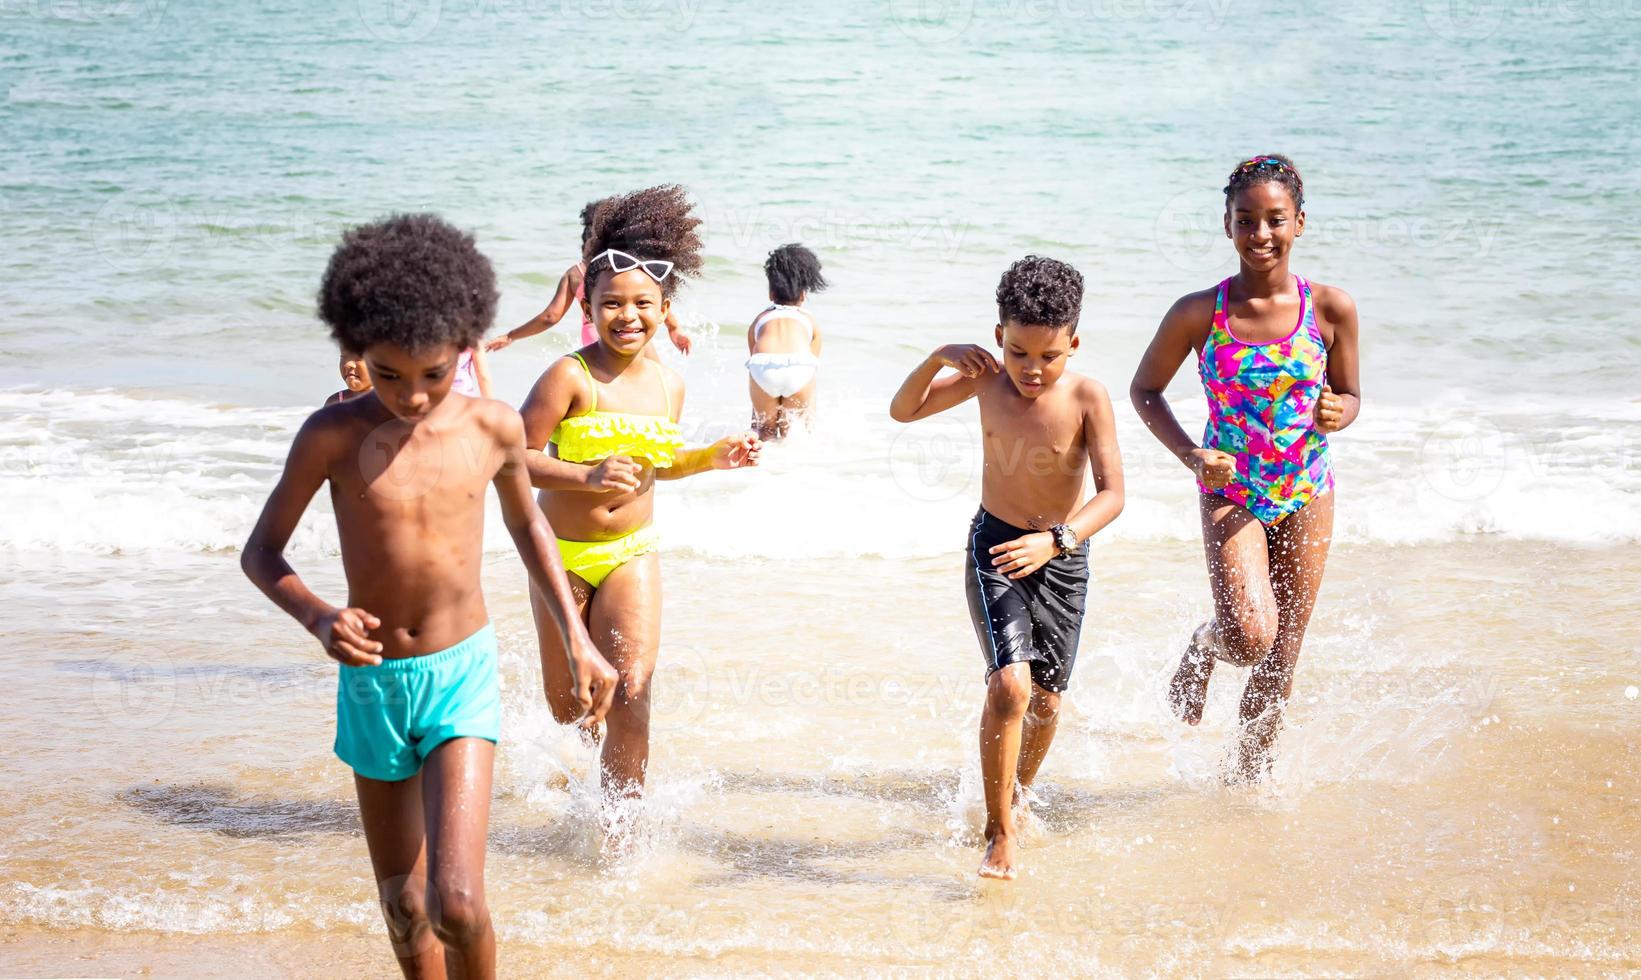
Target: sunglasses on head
x,y
1258,162
657,269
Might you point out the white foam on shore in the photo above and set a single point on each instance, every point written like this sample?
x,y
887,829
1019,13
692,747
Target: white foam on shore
x,y
110,472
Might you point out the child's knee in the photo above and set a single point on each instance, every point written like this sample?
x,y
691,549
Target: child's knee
x,y
405,909
1008,691
458,912
1247,639
633,690
1045,705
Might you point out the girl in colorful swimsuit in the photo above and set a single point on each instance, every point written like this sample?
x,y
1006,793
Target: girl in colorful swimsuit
x,y
572,294
1277,355
601,426
785,342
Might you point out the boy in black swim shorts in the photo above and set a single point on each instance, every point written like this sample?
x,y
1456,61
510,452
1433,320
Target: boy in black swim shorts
x,y
1026,567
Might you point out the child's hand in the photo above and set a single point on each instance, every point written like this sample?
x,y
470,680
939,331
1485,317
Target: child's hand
x,y
1330,411
615,474
970,360
1024,555
345,635
500,343
680,340
1215,469
593,680
734,452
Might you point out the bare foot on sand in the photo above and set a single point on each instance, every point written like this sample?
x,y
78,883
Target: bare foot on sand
x,y
999,859
1188,691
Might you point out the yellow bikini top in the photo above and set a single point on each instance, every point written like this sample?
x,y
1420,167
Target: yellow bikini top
x,y
600,435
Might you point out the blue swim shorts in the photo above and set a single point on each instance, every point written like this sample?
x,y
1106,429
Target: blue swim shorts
x,y
391,716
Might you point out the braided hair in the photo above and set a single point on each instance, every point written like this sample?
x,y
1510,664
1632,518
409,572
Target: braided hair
x,y
1267,168
792,270
654,223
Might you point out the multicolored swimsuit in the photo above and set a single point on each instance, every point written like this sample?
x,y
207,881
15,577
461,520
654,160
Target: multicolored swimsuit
x,y
1261,400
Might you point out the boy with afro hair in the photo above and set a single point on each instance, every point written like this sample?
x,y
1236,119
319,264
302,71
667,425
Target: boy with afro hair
x,y
418,706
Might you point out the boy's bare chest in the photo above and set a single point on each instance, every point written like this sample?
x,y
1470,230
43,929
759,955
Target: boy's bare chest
x,y
1034,439
392,473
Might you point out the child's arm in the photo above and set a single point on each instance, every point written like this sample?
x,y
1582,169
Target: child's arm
x,y
549,401
921,395
593,679
1341,399
679,338
1176,338
729,453
344,633
563,297
481,372
814,337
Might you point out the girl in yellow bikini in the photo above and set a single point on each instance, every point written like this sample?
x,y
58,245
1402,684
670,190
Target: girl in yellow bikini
x,y
602,426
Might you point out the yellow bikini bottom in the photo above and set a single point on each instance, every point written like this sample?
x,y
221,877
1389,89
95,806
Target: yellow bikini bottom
x,y
593,561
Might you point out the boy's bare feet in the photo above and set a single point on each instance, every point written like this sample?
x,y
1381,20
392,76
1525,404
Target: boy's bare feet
x,y
1188,691
999,860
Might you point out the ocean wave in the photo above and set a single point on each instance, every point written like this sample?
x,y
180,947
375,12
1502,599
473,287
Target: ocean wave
x,y
112,472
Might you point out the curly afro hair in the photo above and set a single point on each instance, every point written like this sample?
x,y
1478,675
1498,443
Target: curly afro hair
x,y
1040,291
654,223
411,280
587,211
1267,168
792,270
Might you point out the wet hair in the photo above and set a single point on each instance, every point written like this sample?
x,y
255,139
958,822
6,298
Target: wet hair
x,y
654,223
1040,291
587,211
793,270
1267,168
411,280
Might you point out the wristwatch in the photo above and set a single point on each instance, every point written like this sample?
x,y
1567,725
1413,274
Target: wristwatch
x,y
1065,539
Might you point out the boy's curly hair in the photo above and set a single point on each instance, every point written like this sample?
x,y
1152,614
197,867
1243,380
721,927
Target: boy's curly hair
x,y
654,223
1040,291
1267,168
793,270
412,280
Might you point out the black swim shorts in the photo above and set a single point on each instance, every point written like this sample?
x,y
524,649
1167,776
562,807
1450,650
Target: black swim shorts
x,y
1036,619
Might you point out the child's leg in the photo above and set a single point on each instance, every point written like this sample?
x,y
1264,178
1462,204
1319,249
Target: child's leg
x,y
766,410
1008,693
456,810
799,406
1245,615
392,817
625,624
1041,720
555,662
1299,553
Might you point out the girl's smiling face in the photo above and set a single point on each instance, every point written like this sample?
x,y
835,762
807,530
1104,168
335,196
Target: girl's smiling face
x,y
627,308
1262,221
